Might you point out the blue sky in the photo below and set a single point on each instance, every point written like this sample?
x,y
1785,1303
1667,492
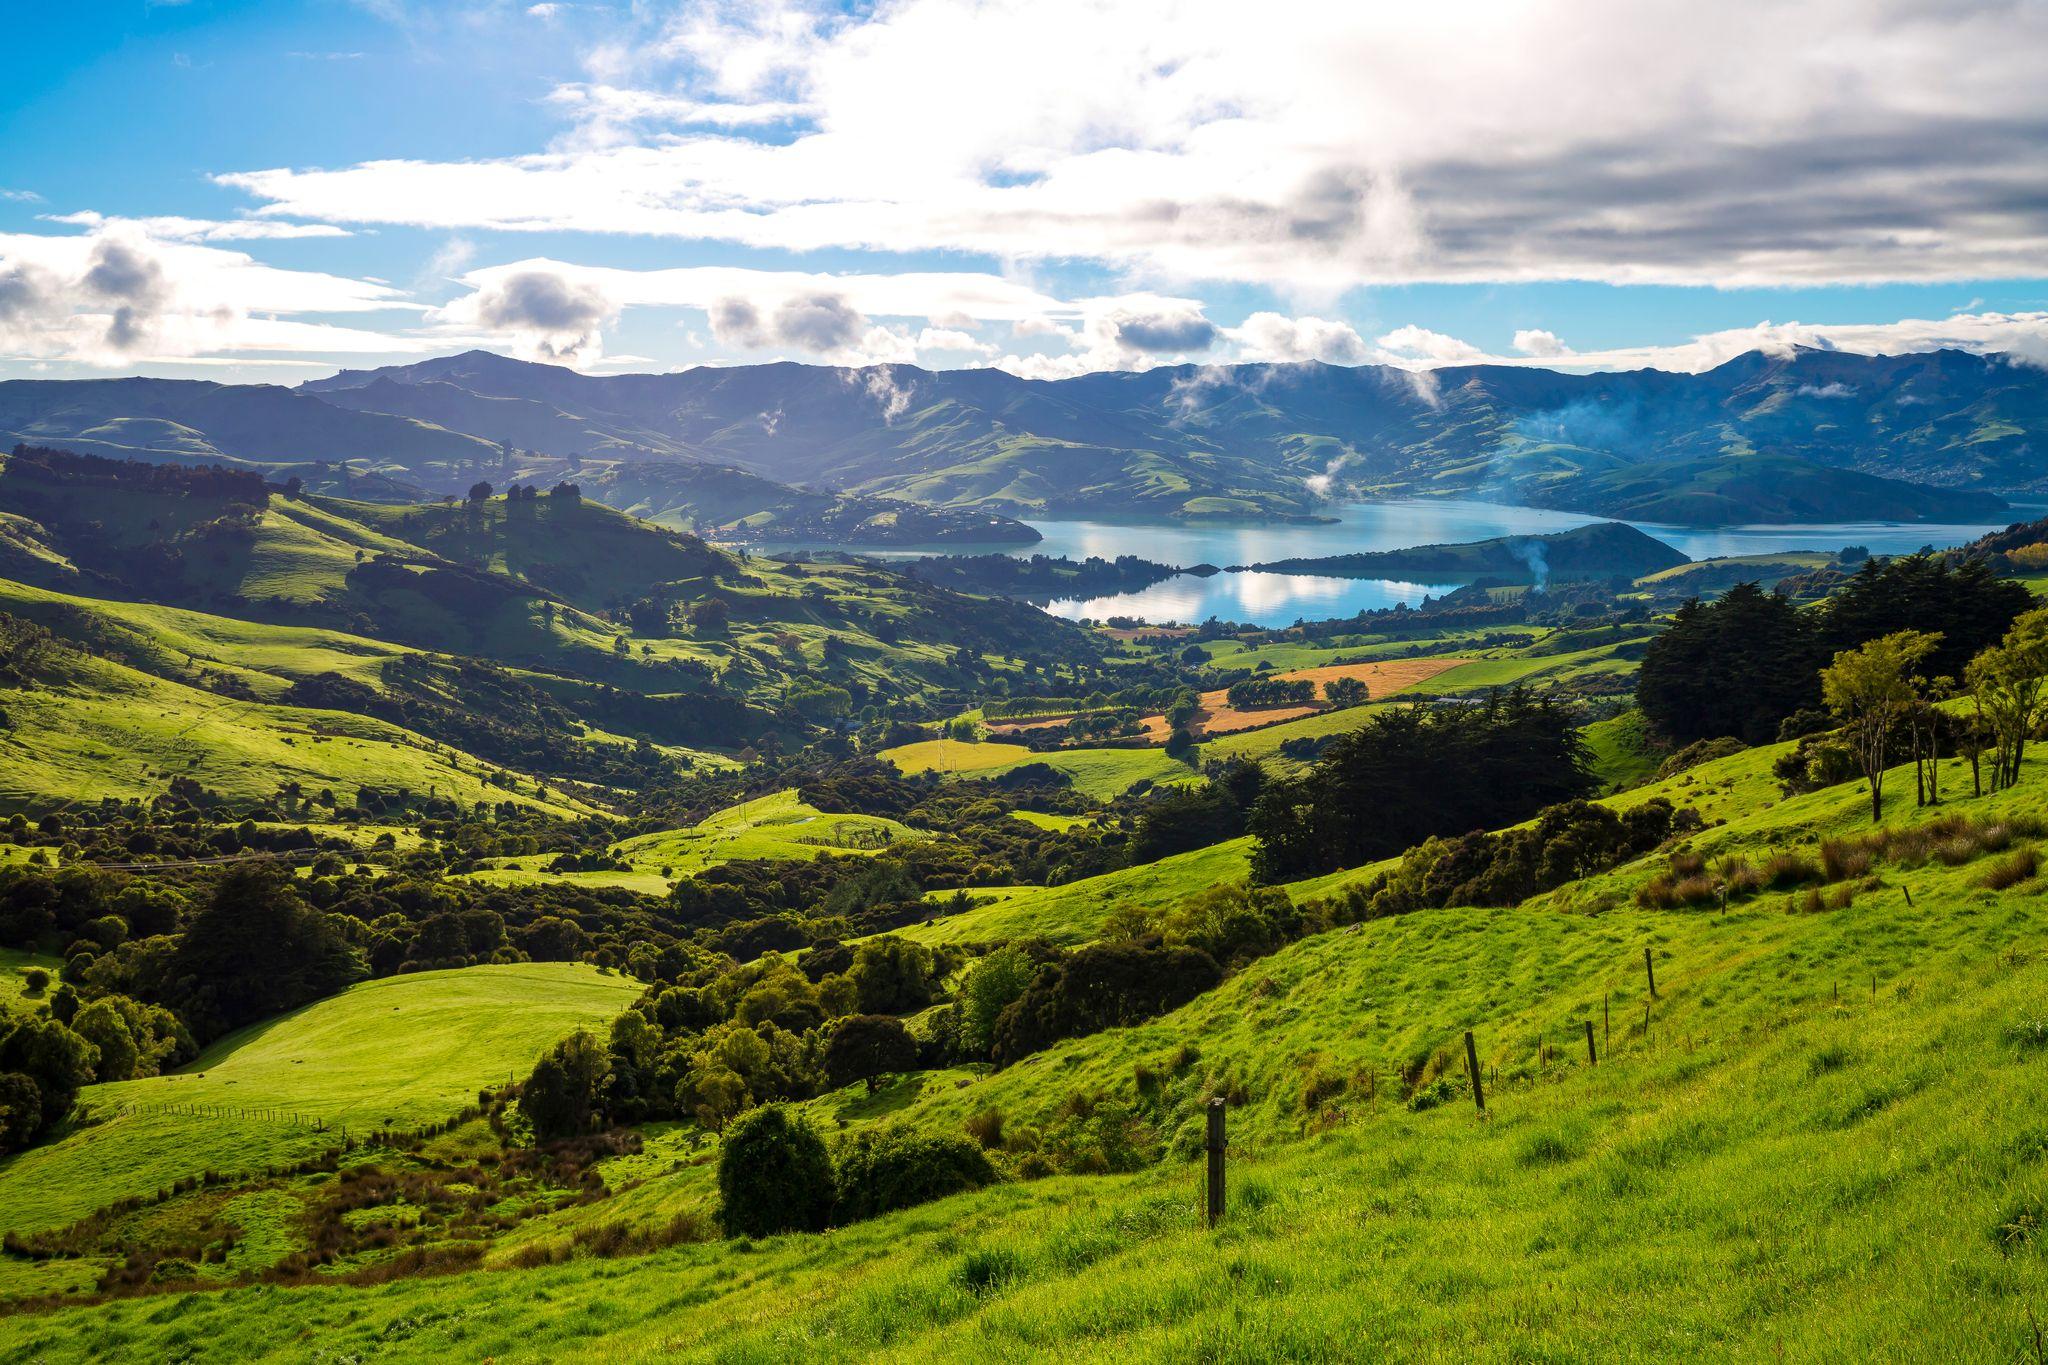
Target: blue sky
x,y
269,191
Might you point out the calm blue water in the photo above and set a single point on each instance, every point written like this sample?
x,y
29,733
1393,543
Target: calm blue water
x,y
1279,599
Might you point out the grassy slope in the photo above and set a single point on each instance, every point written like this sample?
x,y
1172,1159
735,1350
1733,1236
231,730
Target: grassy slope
x,y
1621,750
1101,773
114,731
13,989
411,1049
778,826
1075,912
1722,1186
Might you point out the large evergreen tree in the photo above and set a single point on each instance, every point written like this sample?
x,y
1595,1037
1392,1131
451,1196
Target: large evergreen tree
x,y
1410,773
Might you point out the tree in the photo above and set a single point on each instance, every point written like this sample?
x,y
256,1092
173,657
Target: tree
x,y
898,1169
712,616
774,1175
1737,667
2006,684
1872,689
1341,692
714,1094
56,1060
562,1097
35,981
1410,773
257,950
893,976
480,491
866,1047
996,980
21,1111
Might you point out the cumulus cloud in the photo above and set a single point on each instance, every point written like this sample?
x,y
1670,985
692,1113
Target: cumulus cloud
x,y
543,313
119,294
1300,143
819,322
1276,337
1164,333
125,277
1538,342
1421,344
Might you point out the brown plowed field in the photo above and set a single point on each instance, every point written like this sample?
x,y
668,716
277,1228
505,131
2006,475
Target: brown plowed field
x,y
1384,677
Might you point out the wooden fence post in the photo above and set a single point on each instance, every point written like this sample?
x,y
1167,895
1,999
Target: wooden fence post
x,y
1216,1145
1592,1058
1650,971
1472,1065
1607,1019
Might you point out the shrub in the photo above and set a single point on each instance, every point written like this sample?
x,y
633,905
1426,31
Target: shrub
x,y
2015,867
1842,859
35,981
773,1175
986,1128
1787,869
896,1169
1440,1091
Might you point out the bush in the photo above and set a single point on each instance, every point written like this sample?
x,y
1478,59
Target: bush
x,y
986,1128
2015,867
889,1170
773,1175
35,981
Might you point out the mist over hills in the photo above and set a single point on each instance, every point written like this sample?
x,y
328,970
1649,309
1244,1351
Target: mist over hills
x,y
1808,435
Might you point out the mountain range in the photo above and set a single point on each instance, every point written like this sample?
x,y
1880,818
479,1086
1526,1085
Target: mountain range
x,y
791,451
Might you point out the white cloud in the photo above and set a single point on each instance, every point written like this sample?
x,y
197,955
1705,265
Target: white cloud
x,y
1537,342
2024,336
1272,336
1302,144
202,229
1412,343
546,314
118,295
953,340
820,322
21,196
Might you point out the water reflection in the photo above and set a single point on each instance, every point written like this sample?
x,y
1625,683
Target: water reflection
x,y
1262,598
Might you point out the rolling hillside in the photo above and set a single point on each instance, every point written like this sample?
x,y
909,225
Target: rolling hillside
x,y
1815,1107
1805,435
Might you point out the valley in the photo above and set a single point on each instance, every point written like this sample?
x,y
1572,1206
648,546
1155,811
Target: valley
x,y
506,924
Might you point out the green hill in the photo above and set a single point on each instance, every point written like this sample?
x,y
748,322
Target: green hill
x,y
405,1050
1602,550
1822,1108
1181,442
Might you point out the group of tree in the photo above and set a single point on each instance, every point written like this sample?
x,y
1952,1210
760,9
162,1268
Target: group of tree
x,y
1563,844
1414,772
776,1175
1882,689
1259,692
1747,662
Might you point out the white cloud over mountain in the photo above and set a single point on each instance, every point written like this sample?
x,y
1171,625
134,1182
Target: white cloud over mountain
x,y
1309,146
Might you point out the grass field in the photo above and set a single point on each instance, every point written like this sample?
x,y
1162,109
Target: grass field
x,y
14,989
411,1049
114,731
1383,678
1075,912
774,827
1101,773
1621,750
1823,1110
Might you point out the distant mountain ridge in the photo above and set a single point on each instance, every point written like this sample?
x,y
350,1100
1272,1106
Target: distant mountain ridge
x,y
1799,436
